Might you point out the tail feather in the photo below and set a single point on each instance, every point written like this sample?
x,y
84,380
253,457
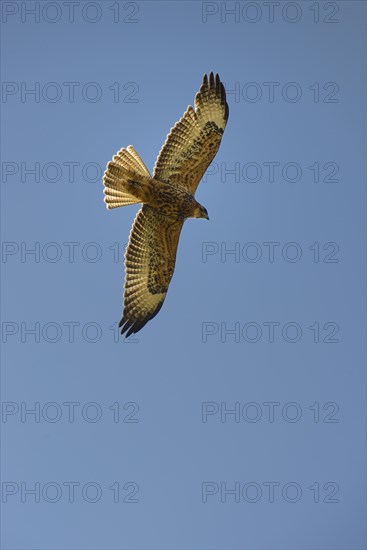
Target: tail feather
x,y
125,166
141,166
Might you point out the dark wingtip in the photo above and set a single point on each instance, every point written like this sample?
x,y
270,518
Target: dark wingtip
x,y
132,327
217,83
224,100
135,328
223,91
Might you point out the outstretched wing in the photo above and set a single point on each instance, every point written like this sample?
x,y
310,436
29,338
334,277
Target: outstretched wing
x,y
149,263
194,141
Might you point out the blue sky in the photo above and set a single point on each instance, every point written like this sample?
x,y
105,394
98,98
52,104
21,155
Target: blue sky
x,y
132,444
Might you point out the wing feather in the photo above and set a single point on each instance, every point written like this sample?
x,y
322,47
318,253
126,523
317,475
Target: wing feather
x,y
194,141
149,263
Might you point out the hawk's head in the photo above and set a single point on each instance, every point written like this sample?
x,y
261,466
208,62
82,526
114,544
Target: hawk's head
x,y
200,212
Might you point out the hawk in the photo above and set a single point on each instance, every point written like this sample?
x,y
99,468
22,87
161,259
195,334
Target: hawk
x,y
168,199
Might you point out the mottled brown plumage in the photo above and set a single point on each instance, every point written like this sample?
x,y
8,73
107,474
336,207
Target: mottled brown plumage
x,y
168,200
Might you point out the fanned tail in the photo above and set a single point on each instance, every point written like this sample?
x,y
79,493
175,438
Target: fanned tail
x,y
124,167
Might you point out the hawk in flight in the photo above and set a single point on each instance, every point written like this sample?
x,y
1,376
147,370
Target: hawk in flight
x,y
168,199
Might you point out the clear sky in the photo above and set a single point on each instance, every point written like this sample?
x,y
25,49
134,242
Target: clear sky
x,y
132,444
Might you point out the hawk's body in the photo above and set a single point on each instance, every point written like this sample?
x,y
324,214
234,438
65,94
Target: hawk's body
x,y
171,200
168,200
